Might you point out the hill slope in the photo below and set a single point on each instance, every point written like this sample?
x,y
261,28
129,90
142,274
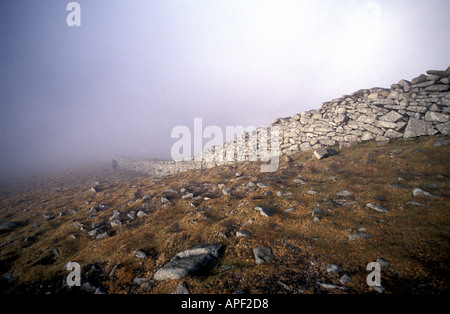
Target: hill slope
x,y
47,222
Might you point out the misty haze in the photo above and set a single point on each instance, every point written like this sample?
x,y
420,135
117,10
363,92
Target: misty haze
x,y
230,147
118,84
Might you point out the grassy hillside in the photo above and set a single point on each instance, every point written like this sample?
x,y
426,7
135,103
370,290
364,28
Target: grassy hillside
x,y
411,239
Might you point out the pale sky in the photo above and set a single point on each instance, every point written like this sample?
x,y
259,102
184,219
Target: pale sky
x,y
133,70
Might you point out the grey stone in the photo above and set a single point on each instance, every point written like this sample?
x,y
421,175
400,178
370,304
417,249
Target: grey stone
x,y
182,288
48,217
226,191
345,279
333,269
343,193
164,200
140,254
413,203
116,223
8,226
267,212
189,262
102,236
378,208
420,192
92,233
323,153
141,214
437,88
263,255
318,212
359,235
262,185
383,262
420,79
132,214
189,195
243,234
436,116
416,128
391,116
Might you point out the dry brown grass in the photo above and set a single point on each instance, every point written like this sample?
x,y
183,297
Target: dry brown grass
x,y
413,239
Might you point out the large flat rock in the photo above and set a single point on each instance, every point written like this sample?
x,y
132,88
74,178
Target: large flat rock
x,y
189,262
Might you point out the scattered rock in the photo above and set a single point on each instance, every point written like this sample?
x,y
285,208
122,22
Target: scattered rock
x,y
226,191
324,153
345,279
132,214
262,185
263,255
318,212
164,200
182,288
243,233
8,226
48,217
413,203
343,193
189,262
116,223
420,192
102,236
95,189
333,269
378,208
264,211
187,196
141,214
358,235
383,262
140,254
115,215
330,286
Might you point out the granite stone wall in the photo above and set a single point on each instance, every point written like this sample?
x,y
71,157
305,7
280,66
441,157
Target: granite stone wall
x,y
408,109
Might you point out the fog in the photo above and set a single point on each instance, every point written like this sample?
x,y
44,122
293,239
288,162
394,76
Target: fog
x,y
119,83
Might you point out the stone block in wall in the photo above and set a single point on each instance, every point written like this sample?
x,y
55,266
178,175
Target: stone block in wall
x,y
391,116
421,109
367,136
341,118
385,124
371,128
351,138
438,73
365,119
436,116
420,79
423,84
381,138
304,147
443,128
437,88
392,134
416,128
400,125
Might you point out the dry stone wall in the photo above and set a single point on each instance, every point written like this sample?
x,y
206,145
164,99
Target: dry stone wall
x,y
408,109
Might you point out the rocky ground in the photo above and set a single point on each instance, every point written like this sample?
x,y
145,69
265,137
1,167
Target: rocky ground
x,y
313,226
